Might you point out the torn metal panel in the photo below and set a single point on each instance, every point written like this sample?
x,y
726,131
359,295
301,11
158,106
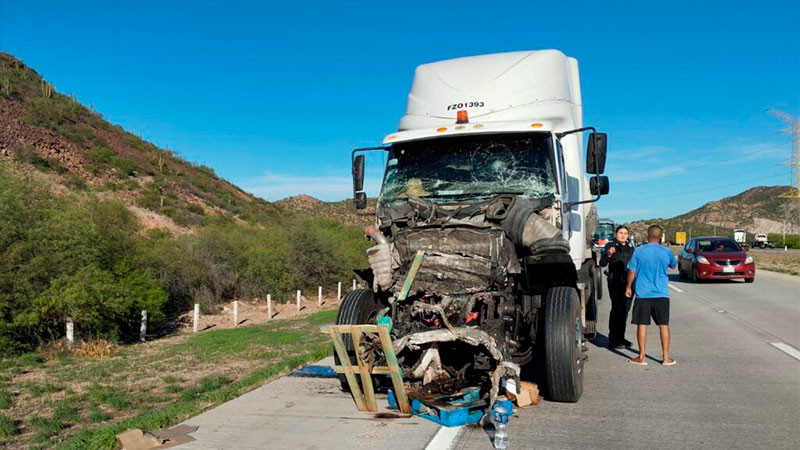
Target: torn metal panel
x,y
472,336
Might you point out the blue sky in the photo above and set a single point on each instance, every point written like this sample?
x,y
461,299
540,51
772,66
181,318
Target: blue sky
x,y
273,97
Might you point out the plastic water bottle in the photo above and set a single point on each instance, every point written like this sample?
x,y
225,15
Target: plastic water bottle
x,y
500,428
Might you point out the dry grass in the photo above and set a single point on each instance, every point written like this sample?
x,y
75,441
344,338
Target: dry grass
x,y
777,260
80,396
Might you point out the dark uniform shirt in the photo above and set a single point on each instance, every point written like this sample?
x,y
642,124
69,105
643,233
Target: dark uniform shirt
x,y
617,263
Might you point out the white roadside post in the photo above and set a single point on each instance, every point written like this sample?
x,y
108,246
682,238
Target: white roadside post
x,y
196,318
298,299
143,326
70,331
354,284
339,292
236,313
269,306
319,296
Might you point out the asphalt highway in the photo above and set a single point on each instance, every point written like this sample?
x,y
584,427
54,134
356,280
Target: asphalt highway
x,y
736,385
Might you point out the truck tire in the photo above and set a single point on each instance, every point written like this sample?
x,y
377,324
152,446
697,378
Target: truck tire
x,y
562,345
358,307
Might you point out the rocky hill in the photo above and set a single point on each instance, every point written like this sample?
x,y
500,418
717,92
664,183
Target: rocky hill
x,y
342,211
760,209
49,132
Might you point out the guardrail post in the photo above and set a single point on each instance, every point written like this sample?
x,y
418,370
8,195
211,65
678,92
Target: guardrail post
x,y
70,331
196,317
319,296
236,313
269,306
143,326
298,299
339,292
354,284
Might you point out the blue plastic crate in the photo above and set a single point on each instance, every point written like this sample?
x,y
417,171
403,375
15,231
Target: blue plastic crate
x,y
462,408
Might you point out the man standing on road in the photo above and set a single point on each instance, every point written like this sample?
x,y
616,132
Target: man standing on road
x,y
648,268
616,256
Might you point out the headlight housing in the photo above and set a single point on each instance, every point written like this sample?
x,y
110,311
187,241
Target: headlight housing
x,y
702,259
749,260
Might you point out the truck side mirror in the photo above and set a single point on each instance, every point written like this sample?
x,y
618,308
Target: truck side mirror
x,y
596,153
598,185
360,200
358,173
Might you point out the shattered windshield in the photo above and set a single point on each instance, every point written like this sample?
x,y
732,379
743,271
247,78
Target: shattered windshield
x,y
470,168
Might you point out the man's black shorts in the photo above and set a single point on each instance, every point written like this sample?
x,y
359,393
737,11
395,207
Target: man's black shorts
x,y
644,308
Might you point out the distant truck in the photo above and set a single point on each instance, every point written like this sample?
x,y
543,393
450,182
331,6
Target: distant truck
x,y
761,240
740,236
603,234
483,257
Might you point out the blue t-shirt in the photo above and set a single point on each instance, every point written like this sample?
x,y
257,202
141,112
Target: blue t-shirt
x,y
650,261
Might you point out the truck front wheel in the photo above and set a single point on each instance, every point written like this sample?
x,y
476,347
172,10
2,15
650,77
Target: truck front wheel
x,y
562,342
357,308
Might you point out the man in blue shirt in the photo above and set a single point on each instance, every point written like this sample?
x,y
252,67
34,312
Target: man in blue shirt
x,y
648,268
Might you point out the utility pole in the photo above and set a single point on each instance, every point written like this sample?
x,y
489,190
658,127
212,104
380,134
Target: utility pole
x,y
793,130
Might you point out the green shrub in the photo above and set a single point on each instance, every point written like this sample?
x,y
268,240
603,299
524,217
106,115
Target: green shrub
x,y
792,240
28,154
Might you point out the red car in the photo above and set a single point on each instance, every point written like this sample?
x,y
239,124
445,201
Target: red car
x,y
715,258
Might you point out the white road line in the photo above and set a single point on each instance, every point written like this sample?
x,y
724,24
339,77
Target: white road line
x,y
443,439
676,288
789,350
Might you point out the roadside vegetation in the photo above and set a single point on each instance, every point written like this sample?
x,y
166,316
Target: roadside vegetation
x,y
65,255
55,398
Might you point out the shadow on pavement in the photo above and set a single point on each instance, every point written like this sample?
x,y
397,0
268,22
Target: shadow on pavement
x,y
601,341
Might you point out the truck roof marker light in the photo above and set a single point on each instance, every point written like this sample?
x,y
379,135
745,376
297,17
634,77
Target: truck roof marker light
x,y
478,126
461,116
391,137
459,127
441,129
536,125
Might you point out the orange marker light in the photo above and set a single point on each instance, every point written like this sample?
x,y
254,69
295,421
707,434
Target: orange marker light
x,y
461,116
441,129
536,125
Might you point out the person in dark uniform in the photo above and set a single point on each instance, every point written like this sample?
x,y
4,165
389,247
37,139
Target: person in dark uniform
x,y
616,255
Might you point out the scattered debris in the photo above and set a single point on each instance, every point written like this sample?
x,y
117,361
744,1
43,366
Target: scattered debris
x,y
138,439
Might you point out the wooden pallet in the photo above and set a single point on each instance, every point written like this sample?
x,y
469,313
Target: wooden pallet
x,y
364,393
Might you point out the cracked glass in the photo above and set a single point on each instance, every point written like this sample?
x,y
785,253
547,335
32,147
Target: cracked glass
x,y
470,168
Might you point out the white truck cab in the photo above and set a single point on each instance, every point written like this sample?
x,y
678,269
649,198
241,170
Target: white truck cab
x,y
485,221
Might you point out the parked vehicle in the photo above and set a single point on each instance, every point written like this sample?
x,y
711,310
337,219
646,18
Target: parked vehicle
x,y
760,240
603,234
485,193
715,258
740,236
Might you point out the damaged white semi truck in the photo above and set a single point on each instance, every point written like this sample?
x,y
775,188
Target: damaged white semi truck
x,y
483,258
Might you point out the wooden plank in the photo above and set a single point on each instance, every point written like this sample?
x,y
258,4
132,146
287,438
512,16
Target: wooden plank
x,y
412,273
338,345
366,377
348,328
394,369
